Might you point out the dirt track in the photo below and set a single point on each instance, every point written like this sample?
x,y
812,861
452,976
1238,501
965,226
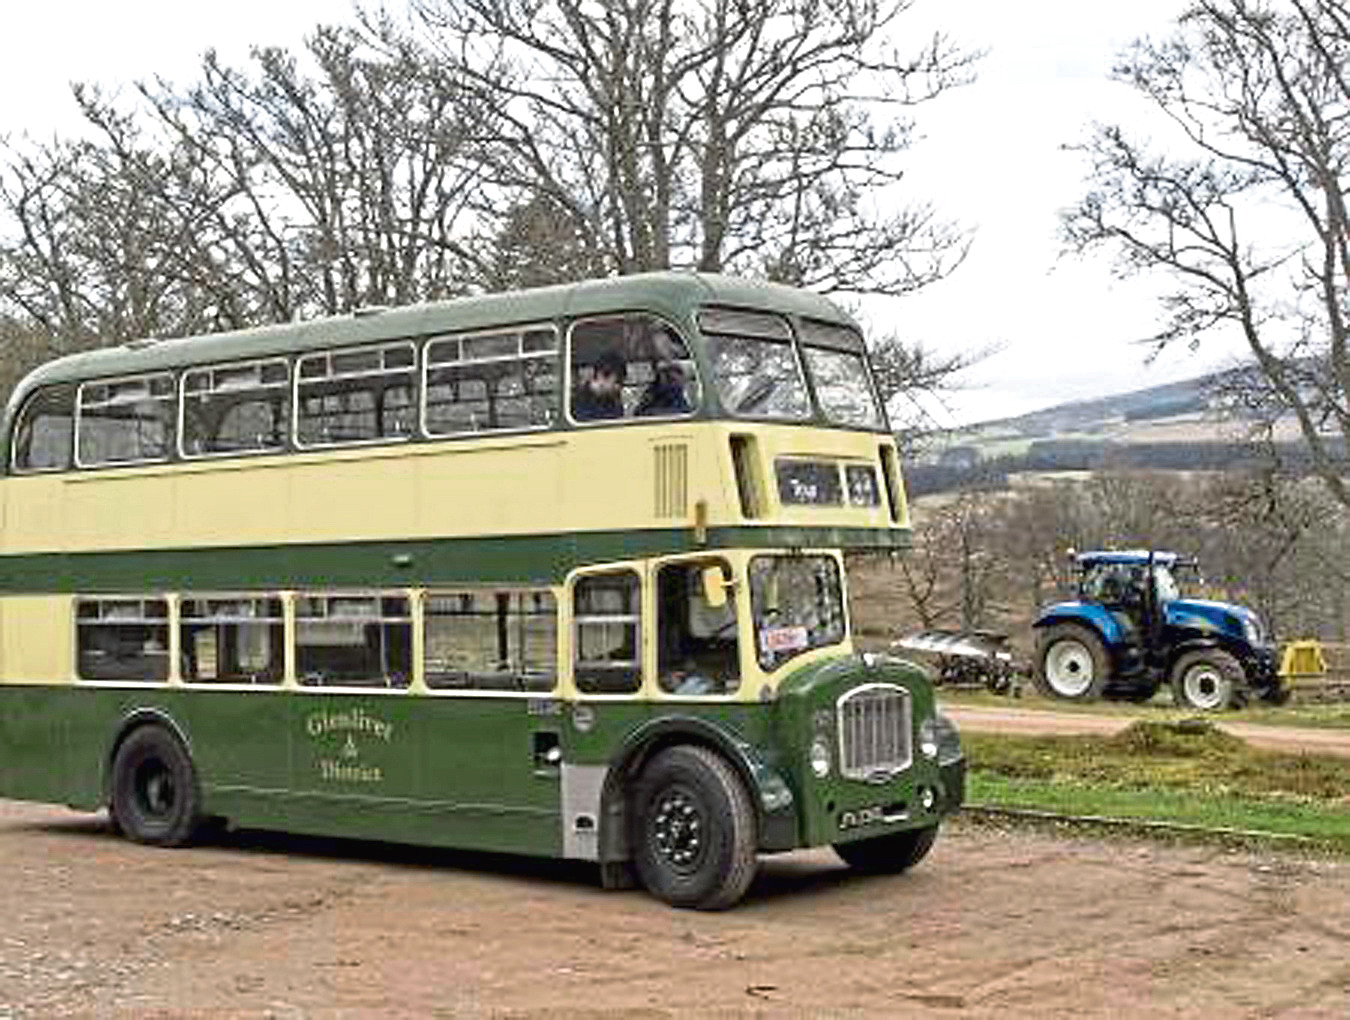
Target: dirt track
x,y
993,923
1028,721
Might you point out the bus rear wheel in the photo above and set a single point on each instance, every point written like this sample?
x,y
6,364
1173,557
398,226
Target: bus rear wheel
x,y
155,798
694,830
888,855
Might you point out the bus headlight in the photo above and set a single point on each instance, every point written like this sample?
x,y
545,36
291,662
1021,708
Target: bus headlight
x,y
928,738
820,757
938,738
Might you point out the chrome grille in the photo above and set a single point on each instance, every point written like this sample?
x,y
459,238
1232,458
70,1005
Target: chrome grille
x,y
874,732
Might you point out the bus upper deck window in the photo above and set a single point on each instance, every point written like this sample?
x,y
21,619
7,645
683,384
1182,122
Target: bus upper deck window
x,y
630,366
44,430
491,381
838,365
754,366
126,421
361,395
236,409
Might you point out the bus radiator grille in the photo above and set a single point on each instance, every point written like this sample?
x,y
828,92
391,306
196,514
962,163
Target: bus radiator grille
x,y
874,732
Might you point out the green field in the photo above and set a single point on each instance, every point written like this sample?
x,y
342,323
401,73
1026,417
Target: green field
x,y
1159,772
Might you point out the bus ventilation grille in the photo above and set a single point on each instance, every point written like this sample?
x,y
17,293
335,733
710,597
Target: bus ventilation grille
x,y
874,732
672,480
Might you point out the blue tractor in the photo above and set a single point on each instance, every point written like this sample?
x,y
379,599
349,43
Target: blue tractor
x,y
1130,630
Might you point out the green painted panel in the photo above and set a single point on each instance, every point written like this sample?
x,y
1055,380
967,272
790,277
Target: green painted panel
x,y
32,734
534,558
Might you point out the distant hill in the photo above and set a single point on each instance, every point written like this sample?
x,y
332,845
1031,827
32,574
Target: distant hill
x,y
1176,426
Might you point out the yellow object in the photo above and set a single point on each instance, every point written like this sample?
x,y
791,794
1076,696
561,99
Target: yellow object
x,y
1303,658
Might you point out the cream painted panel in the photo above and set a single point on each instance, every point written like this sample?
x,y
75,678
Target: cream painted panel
x,y
34,515
351,499
107,511
233,506
37,636
492,490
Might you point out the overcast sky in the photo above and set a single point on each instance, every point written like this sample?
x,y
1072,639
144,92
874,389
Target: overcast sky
x,y
990,158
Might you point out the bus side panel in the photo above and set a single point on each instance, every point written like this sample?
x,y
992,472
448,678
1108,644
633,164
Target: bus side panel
x,y
240,745
487,780
34,737
436,770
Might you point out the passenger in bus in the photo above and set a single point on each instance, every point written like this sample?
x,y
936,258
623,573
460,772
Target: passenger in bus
x,y
665,393
600,393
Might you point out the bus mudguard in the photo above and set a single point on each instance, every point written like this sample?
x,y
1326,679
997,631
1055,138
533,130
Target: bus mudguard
x,y
137,717
773,798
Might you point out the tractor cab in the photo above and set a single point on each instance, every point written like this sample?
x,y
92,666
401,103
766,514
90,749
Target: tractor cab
x,y
1130,630
1121,580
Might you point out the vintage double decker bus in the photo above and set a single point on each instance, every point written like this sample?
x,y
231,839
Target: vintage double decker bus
x,y
550,572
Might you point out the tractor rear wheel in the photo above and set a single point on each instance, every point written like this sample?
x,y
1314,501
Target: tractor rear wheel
x,y
1208,680
1071,663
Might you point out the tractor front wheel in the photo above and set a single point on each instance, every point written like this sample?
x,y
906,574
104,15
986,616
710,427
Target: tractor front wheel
x,y
1208,680
1071,663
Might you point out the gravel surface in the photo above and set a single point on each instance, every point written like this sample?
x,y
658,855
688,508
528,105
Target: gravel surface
x,y
996,922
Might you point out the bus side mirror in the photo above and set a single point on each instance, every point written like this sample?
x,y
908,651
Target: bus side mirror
x,y
714,586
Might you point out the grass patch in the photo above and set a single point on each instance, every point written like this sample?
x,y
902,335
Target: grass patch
x,y
1185,772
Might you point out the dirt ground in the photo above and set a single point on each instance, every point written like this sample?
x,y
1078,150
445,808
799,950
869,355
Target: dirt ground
x,y
994,922
1290,739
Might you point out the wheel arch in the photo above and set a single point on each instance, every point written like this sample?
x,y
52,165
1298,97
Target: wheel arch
x,y
1094,618
773,799
128,724
1197,644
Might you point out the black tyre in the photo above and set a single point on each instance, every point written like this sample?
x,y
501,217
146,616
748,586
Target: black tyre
x,y
155,797
1277,693
1071,663
888,855
1208,680
693,830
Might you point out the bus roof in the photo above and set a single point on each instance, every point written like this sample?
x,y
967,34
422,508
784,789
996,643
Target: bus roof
x,y
673,294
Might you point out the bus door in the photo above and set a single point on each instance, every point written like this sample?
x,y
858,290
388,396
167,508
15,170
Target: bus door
x,y
607,654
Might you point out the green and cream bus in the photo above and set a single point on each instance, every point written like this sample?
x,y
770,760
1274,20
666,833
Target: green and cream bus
x,y
552,572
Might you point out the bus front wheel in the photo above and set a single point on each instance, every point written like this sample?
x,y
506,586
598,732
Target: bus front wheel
x,y
694,830
155,798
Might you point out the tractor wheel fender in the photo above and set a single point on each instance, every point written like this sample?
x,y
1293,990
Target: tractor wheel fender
x,y
770,794
1093,618
1189,645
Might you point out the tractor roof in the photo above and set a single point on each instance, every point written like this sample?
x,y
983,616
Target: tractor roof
x,y
1127,556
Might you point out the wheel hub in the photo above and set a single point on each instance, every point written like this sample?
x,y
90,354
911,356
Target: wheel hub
x,y
1205,687
677,830
155,790
1068,668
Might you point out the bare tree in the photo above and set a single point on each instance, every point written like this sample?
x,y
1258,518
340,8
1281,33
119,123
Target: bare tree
x,y
754,136
342,177
1247,214
103,237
